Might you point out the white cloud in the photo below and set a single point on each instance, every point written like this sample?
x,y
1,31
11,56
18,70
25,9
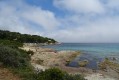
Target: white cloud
x,y
89,27
80,6
112,3
10,19
101,30
18,16
98,26
41,17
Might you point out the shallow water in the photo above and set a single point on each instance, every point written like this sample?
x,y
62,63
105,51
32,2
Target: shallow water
x,y
93,52
92,61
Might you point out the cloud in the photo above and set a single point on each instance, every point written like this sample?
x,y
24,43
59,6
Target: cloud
x,y
103,30
90,21
22,17
10,19
80,6
41,17
84,21
112,4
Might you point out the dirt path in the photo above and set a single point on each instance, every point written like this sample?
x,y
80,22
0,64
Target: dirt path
x,y
5,74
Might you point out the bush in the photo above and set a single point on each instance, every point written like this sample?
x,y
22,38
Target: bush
x,y
18,60
56,74
73,77
13,57
51,74
11,43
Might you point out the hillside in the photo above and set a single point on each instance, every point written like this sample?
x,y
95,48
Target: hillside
x,y
24,38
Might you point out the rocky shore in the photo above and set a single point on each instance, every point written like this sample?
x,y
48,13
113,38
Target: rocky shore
x,y
47,58
44,58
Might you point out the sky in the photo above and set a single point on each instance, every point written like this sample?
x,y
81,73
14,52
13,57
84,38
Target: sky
x,y
82,21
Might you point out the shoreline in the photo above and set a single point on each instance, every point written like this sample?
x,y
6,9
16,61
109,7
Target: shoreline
x,y
44,58
47,57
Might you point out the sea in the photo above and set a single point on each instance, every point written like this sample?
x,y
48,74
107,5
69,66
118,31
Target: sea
x,y
92,52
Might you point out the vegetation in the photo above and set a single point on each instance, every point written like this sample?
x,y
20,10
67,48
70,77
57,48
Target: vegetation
x,y
10,43
73,77
12,57
24,38
51,74
56,74
18,61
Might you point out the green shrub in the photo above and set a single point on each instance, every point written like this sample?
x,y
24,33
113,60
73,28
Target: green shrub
x,y
56,74
19,61
12,57
10,43
25,73
73,77
51,74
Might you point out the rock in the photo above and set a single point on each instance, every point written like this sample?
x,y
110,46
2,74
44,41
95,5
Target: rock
x,y
83,63
98,76
67,62
114,59
38,67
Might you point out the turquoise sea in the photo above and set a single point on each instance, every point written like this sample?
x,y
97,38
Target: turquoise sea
x,y
93,52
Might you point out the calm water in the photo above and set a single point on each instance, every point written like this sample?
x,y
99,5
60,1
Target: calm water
x,y
93,52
